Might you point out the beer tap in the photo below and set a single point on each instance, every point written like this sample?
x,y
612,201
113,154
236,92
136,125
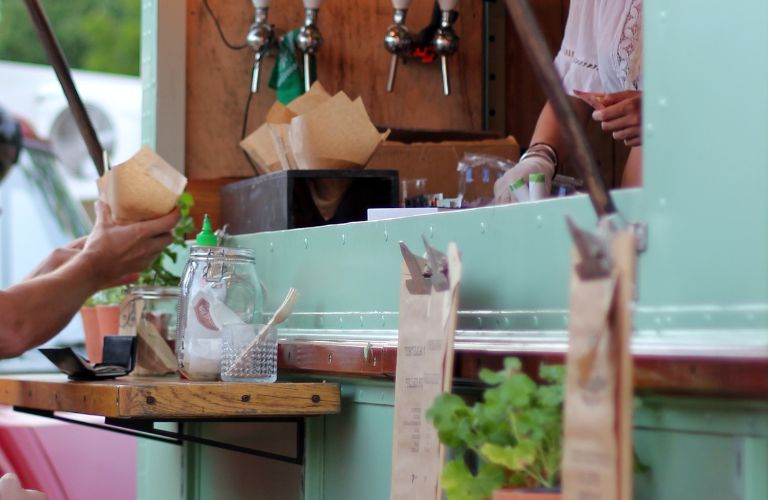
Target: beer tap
x,y
446,42
309,38
398,39
261,38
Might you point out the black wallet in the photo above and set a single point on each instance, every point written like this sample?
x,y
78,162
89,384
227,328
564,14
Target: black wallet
x,y
118,359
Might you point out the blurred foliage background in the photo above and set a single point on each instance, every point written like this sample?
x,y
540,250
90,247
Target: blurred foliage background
x,y
97,35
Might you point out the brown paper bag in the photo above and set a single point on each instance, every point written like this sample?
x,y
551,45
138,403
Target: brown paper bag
x,y
336,134
427,326
597,455
144,187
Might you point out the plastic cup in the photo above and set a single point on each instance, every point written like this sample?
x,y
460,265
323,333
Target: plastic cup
x,y
248,353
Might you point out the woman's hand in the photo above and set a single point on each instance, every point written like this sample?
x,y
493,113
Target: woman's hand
x,y
530,165
119,251
621,114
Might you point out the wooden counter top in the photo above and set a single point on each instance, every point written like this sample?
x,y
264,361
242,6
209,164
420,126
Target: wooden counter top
x,y
168,398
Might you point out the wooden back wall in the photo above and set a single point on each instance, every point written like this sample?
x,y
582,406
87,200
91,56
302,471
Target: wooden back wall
x,y
353,59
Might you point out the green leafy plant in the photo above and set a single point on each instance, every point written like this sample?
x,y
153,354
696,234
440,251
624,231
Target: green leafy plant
x,y
515,431
157,274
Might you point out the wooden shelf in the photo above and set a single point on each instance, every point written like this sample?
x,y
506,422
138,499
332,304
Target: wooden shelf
x,y
168,398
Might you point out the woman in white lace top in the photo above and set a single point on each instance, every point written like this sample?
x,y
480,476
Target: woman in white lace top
x,y
600,65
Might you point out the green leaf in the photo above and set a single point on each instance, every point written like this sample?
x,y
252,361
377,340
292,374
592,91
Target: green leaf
x,y
491,377
512,365
514,458
459,483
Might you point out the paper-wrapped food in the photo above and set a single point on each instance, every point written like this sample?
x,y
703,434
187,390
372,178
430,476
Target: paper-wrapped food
x,y
316,131
144,187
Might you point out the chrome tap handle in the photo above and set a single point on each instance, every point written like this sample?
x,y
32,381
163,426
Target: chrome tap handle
x,y
256,73
446,80
397,41
445,43
309,39
261,38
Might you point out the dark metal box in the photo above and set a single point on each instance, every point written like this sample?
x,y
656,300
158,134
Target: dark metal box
x,y
283,200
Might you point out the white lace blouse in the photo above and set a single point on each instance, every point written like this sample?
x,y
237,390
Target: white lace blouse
x,y
602,46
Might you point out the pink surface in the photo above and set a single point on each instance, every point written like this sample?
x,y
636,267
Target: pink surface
x,y
67,461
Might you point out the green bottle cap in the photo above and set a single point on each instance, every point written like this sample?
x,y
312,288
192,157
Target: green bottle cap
x,y
206,238
536,178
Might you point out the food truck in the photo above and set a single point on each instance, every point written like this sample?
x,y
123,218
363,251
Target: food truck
x,y
327,429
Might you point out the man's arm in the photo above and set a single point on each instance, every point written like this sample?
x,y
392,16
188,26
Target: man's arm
x,y
36,309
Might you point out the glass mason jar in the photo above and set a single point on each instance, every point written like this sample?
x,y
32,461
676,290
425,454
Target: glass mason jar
x,y
161,305
219,287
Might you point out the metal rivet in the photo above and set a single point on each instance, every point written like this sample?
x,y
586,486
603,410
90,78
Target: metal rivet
x,y
151,400
306,243
343,239
315,398
245,398
482,228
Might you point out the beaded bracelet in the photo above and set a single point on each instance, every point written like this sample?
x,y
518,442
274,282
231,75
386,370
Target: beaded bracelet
x,y
543,150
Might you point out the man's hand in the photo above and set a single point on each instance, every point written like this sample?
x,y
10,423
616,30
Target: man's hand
x,y
621,114
118,251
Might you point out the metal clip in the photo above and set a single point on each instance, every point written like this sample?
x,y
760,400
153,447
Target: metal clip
x,y
439,265
596,261
419,270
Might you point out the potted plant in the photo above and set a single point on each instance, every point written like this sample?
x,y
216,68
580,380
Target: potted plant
x,y
101,317
507,446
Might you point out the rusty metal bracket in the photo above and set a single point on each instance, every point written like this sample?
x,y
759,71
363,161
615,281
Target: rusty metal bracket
x,y
146,429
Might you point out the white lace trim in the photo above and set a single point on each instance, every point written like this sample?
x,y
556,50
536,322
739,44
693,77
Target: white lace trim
x,y
629,51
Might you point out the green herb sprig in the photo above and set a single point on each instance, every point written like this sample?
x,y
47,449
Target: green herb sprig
x,y
156,273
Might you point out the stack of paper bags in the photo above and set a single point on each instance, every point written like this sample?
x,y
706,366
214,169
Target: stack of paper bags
x,y
144,187
316,131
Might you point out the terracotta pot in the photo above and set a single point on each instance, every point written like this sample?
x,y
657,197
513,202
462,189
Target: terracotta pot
x,y
527,494
93,338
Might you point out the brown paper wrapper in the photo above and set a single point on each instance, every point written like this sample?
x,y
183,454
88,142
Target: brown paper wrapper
x,y
424,370
597,455
144,187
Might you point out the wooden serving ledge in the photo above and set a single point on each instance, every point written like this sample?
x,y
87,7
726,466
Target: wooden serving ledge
x,y
169,398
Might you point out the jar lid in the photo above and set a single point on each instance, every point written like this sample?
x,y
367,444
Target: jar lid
x,y
154,292
222,253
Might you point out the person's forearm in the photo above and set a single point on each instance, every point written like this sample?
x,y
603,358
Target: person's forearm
x,y
35,310
549,131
